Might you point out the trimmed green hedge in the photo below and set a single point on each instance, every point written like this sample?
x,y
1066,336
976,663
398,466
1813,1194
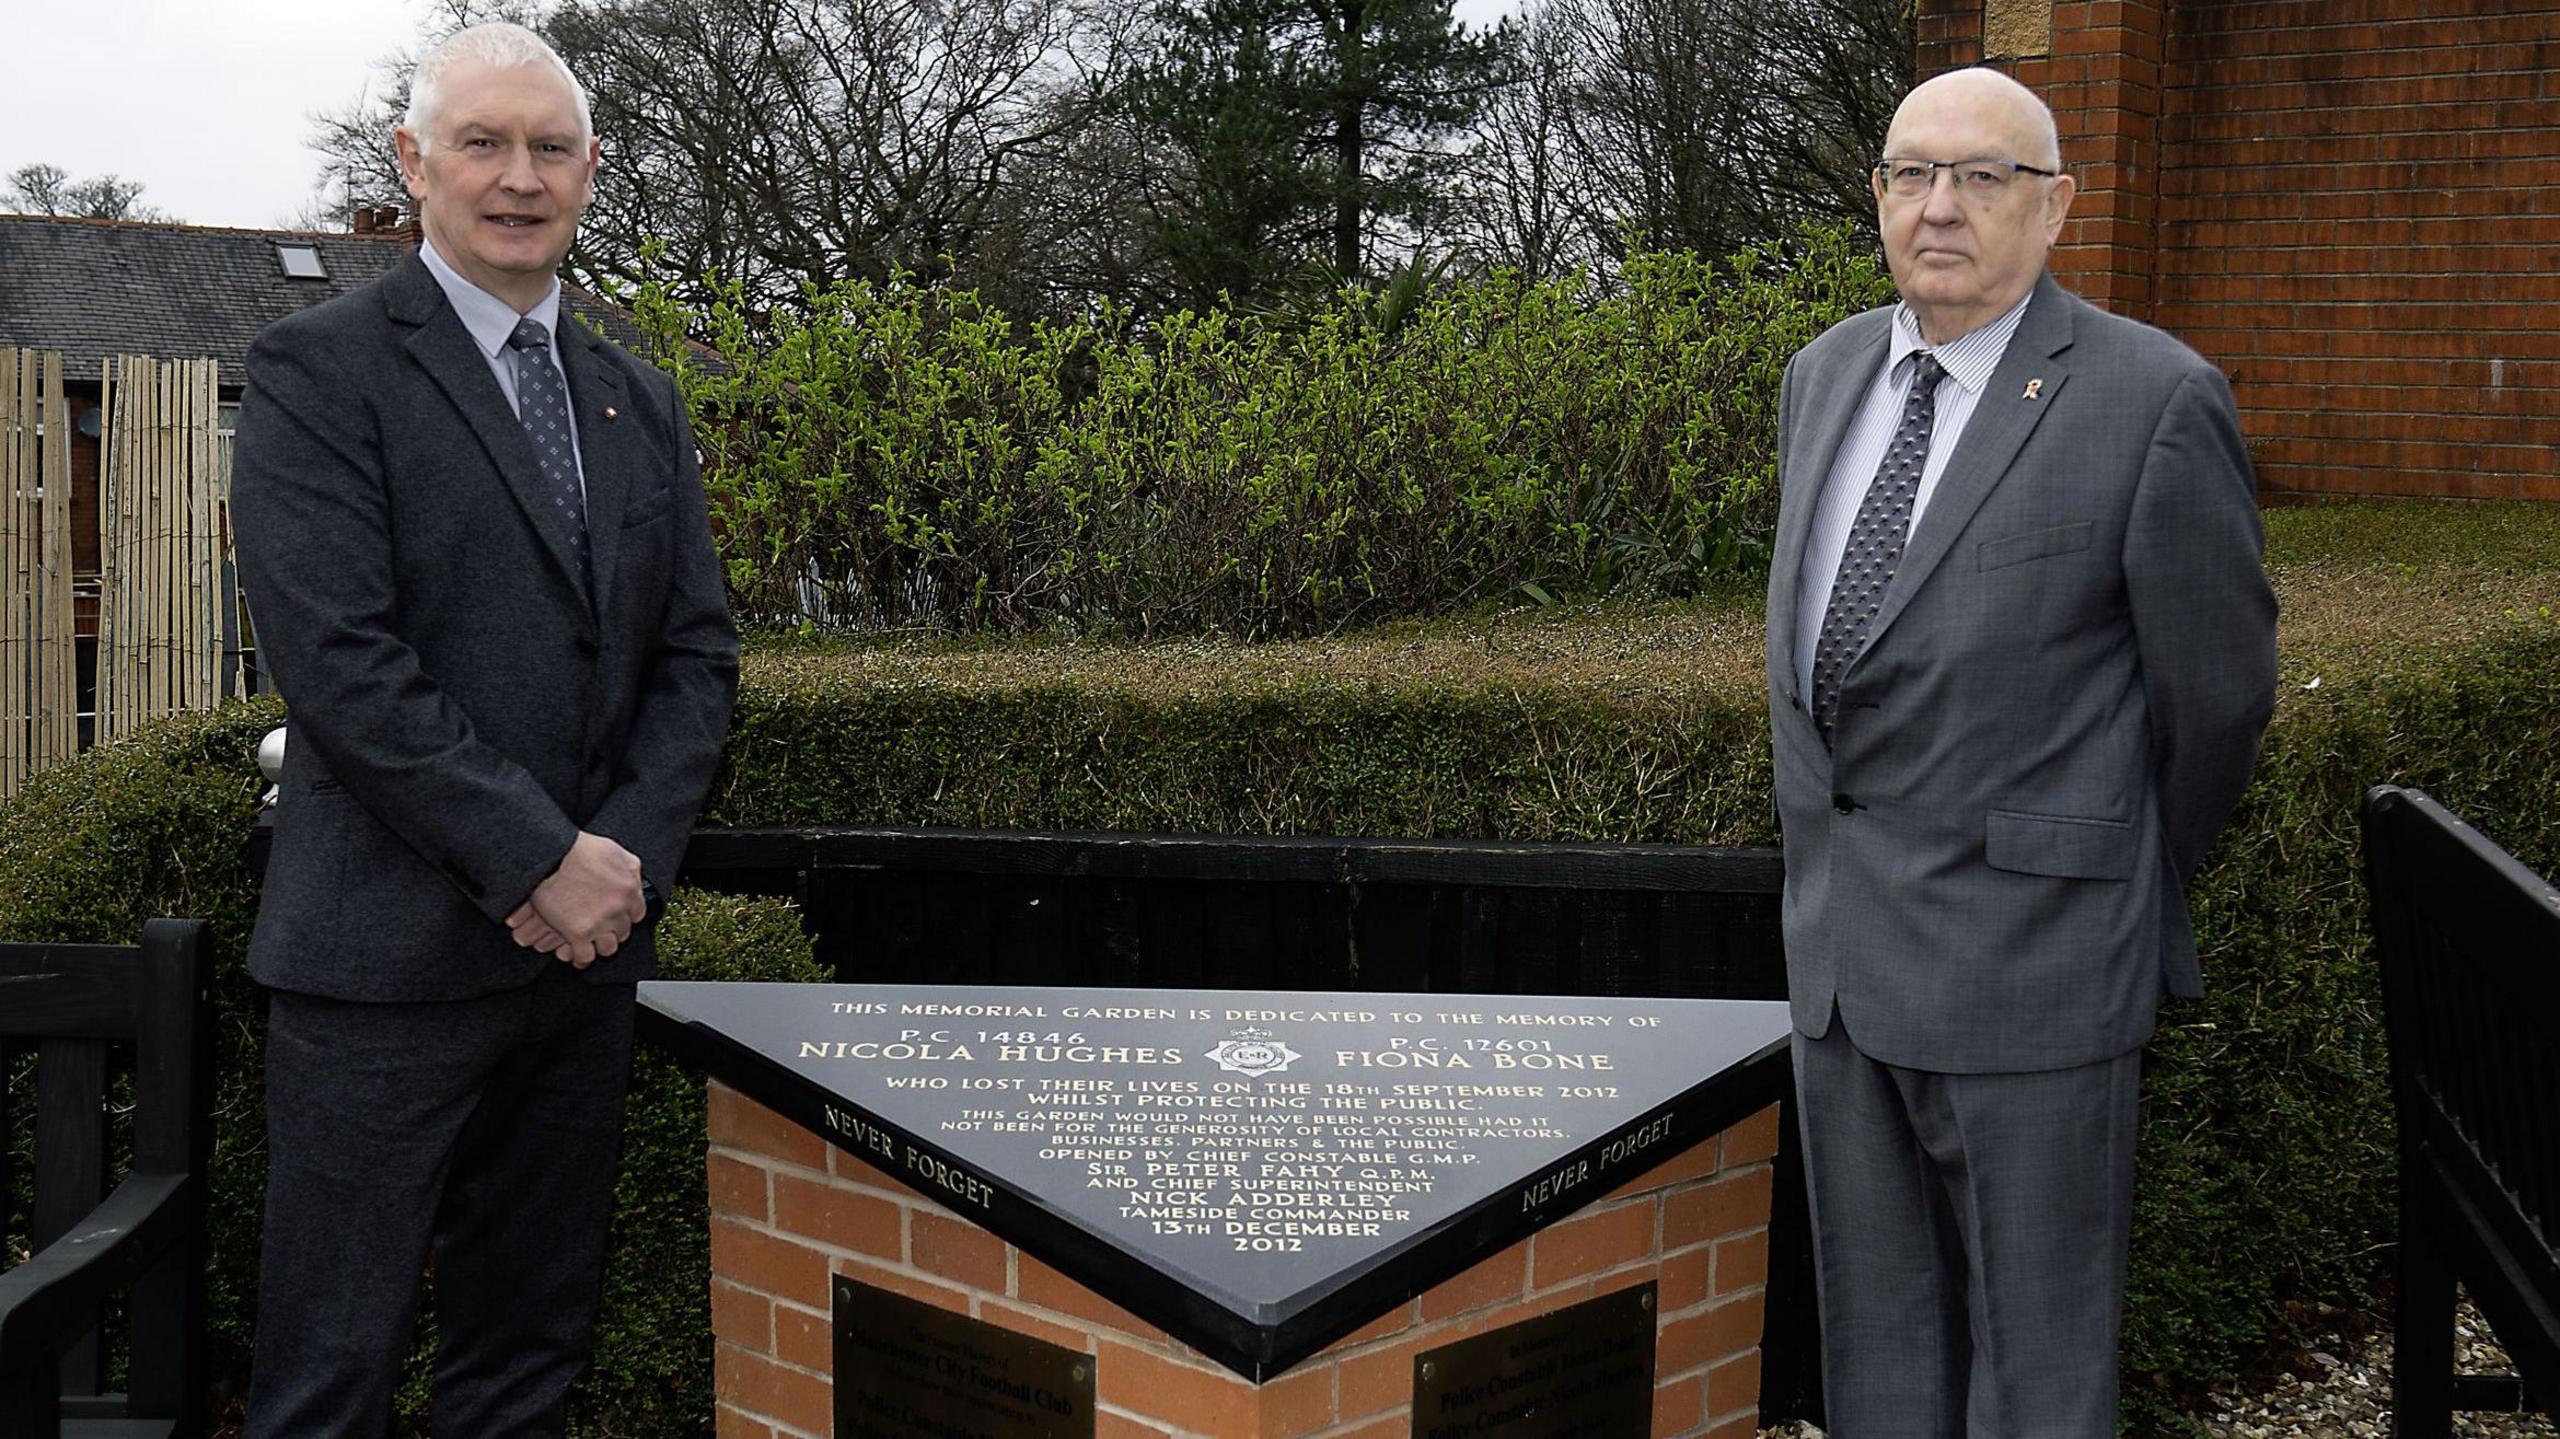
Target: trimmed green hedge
x,y
2419,648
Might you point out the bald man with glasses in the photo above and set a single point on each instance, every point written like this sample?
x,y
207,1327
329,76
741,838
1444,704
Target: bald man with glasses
x,y
2021,648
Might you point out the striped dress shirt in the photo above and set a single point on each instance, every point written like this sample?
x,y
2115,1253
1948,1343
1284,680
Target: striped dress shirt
x,y
1968,361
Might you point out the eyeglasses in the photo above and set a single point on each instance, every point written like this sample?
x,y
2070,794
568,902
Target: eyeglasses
x,y
1975,179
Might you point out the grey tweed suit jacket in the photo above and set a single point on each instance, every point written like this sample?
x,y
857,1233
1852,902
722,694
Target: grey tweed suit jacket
x,y
460,704
2059,702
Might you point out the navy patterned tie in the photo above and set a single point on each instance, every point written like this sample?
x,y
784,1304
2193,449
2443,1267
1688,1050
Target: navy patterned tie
x,y
542,402
1876,538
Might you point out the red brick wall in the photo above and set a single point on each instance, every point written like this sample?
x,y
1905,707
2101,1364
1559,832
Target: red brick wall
x,y
2352,206
788,1210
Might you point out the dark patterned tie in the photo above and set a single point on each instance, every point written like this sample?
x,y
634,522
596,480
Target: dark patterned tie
x,y
542,402
1876,538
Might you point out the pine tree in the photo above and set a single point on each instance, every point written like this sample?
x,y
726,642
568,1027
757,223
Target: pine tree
x,y
1301,124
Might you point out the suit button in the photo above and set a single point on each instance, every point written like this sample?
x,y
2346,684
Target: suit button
x,y
587,645
1842,804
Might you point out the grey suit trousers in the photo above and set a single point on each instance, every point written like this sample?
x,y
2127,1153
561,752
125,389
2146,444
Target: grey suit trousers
x,y
1969,1242
485,1130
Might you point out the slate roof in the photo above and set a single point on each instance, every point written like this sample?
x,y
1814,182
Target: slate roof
x,y
97,288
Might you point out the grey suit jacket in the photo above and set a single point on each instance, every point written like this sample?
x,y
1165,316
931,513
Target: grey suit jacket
x,y
460,705
2059,702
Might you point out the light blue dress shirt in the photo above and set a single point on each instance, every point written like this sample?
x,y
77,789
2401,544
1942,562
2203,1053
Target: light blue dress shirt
x,y
490,321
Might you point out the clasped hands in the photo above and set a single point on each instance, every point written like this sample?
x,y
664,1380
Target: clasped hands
x,y
585,910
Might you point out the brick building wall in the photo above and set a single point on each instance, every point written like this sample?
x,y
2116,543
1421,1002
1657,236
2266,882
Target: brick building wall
x,y
2351,206
789,1210
85,544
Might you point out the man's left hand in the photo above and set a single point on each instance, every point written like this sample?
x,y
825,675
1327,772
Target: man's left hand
x,y
588,905
531,932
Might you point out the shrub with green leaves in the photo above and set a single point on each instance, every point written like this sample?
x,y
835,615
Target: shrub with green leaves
x,y
160,825
900,455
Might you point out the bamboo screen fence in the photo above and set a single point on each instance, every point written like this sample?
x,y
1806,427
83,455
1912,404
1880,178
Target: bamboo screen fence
x,y
162,496
164,597
39,720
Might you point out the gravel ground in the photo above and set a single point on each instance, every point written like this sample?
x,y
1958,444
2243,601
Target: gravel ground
x,y
2339,1388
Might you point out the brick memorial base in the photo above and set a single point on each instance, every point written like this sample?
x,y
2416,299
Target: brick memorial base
x,y
789,1210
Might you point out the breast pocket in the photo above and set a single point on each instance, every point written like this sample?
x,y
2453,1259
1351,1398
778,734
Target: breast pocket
x,y
2033,545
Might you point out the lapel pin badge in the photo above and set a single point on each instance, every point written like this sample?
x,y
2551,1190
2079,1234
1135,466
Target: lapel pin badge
x,y
611,413
2034,389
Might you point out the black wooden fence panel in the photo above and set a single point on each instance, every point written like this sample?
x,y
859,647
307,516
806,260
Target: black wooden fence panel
x,y
120,1039
2469,942
1176,911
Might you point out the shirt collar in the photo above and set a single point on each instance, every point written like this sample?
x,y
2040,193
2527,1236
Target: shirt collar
x,y
490,319
1967,359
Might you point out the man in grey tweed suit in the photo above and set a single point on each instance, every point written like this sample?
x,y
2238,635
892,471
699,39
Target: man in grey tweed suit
x,y
2021,648
475,543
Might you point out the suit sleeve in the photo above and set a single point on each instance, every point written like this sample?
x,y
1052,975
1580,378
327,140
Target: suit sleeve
x,y
1781,646
685,696
312,527
2204,618
1786,422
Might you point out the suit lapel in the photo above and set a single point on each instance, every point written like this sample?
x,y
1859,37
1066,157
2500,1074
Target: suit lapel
x,y
604,438
1830,402
445,348
2001,421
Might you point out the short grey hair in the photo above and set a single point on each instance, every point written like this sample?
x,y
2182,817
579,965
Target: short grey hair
x,y
498,45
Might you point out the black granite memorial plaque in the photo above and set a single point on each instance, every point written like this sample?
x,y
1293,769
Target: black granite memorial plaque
x,y
1256,1173
1580,1373
904,1368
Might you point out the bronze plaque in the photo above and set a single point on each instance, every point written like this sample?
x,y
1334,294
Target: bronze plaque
x,y
905,1368
1579,1373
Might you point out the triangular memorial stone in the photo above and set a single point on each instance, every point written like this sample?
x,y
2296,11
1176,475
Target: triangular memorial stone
x,y
1257,1173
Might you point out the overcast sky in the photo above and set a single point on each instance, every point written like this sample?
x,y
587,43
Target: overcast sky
x,y
208,102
